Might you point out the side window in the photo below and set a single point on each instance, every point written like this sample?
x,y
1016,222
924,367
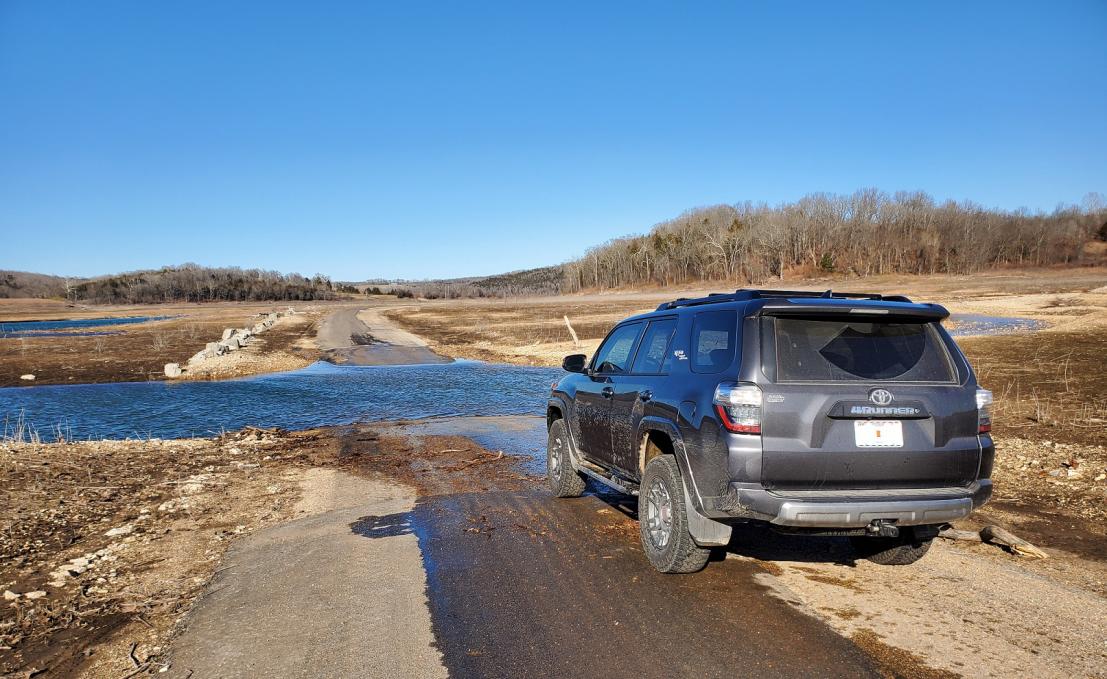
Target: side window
x,y
614,354
655,341
713,340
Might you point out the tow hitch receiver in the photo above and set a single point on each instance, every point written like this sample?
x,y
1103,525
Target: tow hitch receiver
x,y
882,528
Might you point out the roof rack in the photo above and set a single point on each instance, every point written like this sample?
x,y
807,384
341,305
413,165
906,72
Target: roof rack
x,y
746,294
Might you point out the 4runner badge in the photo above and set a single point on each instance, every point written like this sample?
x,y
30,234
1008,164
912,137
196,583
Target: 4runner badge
x,y
680,355
880,397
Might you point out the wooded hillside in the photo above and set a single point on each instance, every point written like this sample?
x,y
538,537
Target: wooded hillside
x,y
25,284
192,283
868,232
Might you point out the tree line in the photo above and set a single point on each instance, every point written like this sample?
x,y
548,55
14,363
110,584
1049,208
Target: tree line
x,y
194,283
866,233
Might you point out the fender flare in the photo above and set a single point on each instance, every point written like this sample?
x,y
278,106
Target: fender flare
x,y
705,532
562,404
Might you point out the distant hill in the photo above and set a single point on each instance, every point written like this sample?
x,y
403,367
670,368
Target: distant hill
x,y
184,283
26,284
546,280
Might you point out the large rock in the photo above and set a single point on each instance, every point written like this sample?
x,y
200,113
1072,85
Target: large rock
x,y
200,356
228,333
29,377
230,344
173,370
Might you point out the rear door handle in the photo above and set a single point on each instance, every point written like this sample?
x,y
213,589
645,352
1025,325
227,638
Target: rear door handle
x,y
645,395
607,392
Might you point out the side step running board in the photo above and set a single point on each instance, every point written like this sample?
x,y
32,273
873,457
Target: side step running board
x,y
608,480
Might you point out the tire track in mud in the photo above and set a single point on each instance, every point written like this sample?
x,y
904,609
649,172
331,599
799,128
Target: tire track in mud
x,y
522,584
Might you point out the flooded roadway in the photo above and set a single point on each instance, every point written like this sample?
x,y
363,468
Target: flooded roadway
x,y
522,584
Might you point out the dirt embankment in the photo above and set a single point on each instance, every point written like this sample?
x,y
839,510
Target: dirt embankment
x,y
105,543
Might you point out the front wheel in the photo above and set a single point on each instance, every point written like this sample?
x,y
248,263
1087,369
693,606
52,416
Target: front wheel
x,y
564,480
901,551
663,521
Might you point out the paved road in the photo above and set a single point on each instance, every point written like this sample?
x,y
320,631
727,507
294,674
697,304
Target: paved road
x,y
314,598
367,337
374,582
496,584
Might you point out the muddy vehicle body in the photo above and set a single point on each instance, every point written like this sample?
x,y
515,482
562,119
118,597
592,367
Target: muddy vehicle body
x,y
826,414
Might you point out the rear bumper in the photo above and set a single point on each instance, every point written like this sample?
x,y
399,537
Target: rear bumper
x,y
853,508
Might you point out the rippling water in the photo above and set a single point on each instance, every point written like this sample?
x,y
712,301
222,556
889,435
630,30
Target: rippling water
x,y
51,328
321,394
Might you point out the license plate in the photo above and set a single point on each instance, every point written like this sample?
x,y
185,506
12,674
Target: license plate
x,y
878,433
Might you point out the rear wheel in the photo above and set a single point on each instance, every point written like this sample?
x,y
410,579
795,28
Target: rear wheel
x,y
564,480
901,551
663,522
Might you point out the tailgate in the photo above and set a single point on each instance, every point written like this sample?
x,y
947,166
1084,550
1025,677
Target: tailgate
x,y
811,440
864,403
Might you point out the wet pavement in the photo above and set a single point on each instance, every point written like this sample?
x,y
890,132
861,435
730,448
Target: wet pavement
x,y
523,584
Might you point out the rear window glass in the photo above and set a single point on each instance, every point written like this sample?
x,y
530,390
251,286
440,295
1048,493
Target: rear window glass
x,y
839,350
652,354
713,341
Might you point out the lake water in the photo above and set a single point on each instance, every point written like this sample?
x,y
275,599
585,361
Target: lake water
x,y
321,394
52,328
978,324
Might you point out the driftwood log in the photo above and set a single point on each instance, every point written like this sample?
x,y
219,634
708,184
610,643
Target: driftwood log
x,y
576,342
994,535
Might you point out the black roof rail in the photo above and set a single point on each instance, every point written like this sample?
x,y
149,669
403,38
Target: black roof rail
x,y
746,294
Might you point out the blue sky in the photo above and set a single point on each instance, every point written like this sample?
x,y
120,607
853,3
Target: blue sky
x,y
430,140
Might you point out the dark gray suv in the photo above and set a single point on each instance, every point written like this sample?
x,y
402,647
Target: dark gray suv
x,y
826,414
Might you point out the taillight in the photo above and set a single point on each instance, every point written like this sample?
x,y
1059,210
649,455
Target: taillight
x,y
983,411
739,407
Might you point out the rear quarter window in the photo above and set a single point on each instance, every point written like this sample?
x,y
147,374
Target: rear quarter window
x,y
713,339
818,350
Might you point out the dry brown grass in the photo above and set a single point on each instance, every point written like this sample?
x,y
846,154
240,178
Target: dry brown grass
x,y
1048,385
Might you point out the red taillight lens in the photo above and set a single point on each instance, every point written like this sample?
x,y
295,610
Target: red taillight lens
x,y
984,411
739,407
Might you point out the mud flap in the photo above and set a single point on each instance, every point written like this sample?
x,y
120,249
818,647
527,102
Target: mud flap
x,y
705,532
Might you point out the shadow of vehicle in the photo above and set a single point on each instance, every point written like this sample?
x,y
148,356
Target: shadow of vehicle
x,y
752,540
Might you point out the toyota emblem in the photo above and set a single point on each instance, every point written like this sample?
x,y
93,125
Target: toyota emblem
x,y
880,397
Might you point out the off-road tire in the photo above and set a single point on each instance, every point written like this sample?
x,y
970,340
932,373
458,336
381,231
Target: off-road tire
x,y
901,551
564,480
680,554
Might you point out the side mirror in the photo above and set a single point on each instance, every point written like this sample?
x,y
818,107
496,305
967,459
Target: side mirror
x,y
574,363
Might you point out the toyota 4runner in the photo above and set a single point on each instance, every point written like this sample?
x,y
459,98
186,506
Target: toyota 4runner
x,y
824,414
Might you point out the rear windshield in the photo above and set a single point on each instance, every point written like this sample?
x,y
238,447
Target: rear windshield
x,y
810,350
